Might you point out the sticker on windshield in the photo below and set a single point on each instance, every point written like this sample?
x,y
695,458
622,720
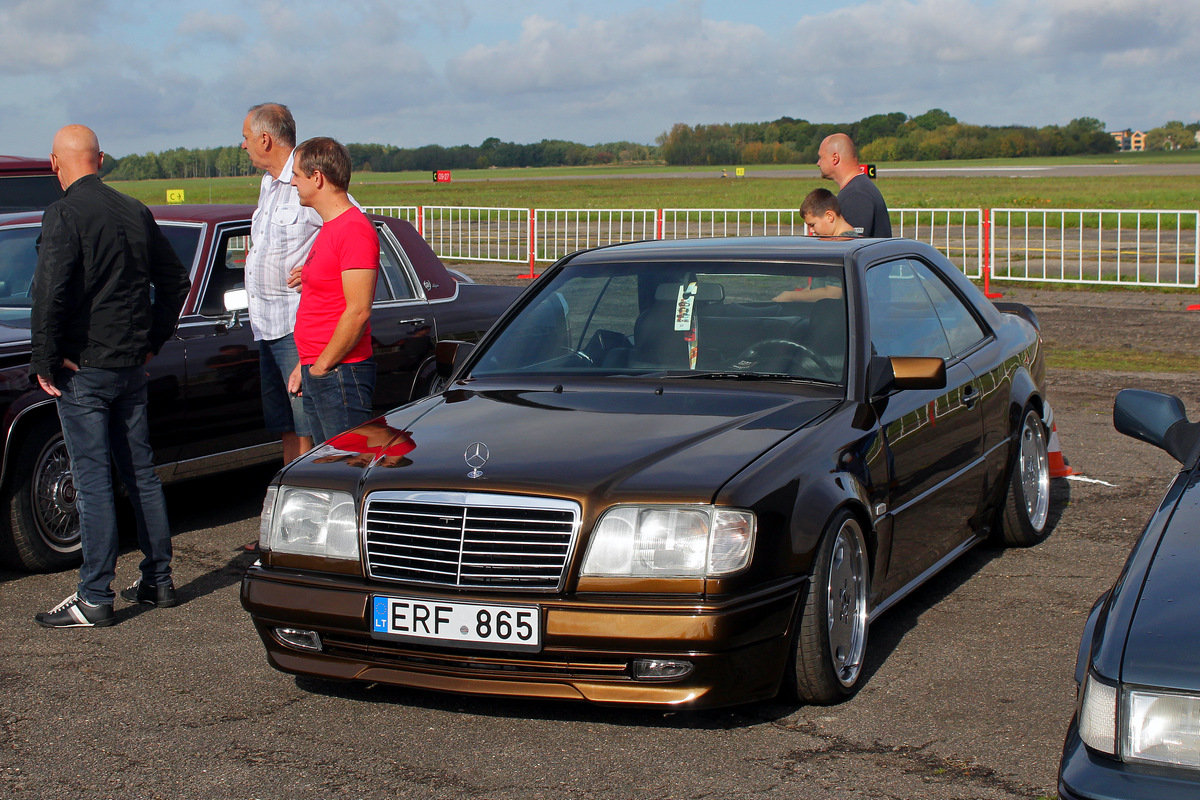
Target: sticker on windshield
x,y
684,306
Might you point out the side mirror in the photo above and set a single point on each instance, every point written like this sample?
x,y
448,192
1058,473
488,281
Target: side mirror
x,y
906,372
448,354
237,300
1159,419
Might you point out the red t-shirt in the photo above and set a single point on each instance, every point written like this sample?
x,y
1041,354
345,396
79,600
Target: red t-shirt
x,y
348,241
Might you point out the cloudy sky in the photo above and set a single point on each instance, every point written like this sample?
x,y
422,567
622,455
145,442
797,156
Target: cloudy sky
x,y
152,75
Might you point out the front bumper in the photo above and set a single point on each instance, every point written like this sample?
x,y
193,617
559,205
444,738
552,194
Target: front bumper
x,y
1084,775
738,647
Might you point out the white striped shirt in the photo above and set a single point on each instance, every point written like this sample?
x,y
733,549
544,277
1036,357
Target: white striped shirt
x,y
281,234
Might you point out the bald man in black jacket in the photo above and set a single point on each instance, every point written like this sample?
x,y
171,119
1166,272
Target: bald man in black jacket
x,y
95,324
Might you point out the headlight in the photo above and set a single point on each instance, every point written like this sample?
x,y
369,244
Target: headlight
x,y
1159,727
670,542
1163,728
312,522
268,513
1098,716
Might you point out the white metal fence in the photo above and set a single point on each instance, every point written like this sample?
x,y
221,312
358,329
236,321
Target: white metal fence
x,y
1101,246
699,223
957,232
1118,247
411,214
560,231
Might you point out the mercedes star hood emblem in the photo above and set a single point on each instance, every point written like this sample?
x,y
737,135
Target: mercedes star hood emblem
x,y
476,456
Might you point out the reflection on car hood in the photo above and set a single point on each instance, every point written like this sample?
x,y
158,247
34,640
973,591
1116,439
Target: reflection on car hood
x,y
1165,635
611,442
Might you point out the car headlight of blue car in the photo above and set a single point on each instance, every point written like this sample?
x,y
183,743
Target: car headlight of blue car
x,y
1140,724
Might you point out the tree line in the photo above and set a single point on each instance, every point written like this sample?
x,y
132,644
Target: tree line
x,y
219,162
932,136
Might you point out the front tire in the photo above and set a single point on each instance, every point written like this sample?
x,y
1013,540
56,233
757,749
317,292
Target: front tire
x,y
1027,503
830,642
40,501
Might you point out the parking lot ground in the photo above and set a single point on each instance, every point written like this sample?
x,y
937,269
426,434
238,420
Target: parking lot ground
x,y
968,689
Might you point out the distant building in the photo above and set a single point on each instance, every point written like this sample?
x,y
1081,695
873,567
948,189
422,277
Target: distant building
x,y
1128,140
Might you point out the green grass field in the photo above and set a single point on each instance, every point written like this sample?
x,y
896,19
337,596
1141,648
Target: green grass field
x,y
648,187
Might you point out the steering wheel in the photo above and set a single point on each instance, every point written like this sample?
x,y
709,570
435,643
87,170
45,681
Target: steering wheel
x,y
774,355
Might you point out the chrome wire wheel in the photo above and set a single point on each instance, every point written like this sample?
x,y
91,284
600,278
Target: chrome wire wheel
x,y
1033,466
846,602
54,498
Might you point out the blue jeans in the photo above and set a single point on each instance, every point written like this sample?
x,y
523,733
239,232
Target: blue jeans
x,y
340,399
282,412
103,415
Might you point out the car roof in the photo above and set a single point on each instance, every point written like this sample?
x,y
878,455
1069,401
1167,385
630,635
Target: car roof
x,y
203,213
749,248
22,165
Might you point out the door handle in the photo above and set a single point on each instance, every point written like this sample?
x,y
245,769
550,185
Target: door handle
x,y
969,396
413,321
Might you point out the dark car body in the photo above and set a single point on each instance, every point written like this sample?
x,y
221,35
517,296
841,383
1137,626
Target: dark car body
x,y
205,406
27,184
1138,672
653,483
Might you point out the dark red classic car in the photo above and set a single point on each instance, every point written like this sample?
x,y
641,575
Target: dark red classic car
x,y
205,408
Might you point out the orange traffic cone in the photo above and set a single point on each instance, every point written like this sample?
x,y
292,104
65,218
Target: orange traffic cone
x,y
1059,468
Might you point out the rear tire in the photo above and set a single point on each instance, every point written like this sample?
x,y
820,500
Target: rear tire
x,y
830,641
40,504
1027,503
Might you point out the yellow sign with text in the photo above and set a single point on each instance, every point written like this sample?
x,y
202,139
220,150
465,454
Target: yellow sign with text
x,y
174,197
740,172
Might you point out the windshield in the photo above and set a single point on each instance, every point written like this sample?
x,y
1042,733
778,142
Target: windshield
x,y
718,320
18,259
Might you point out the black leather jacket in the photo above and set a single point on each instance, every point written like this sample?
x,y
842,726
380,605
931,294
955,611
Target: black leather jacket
x,y
99,253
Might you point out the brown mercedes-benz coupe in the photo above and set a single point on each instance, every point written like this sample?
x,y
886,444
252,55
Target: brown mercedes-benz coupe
x,y
682,473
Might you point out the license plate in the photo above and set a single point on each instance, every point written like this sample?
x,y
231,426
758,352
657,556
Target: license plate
x,y
496,627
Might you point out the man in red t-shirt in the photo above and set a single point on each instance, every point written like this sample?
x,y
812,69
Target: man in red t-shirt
x,y
336,374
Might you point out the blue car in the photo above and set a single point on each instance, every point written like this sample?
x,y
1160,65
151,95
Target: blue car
x,y
1136,730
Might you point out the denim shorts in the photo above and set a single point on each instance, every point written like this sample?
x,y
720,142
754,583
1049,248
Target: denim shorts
x,y
282,412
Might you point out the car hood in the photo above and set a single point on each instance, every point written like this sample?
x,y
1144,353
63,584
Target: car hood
x,y
1164,635
672,441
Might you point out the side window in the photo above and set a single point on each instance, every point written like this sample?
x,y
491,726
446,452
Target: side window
x,y
18,258
961,327
393,282
228,272
903,319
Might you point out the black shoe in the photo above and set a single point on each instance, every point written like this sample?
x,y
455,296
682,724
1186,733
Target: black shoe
x,y
163,595
75,612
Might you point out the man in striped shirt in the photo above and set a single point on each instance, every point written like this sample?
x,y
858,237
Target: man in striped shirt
x,y
281,235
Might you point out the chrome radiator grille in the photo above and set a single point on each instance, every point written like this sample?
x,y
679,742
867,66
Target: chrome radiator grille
x,y
470,540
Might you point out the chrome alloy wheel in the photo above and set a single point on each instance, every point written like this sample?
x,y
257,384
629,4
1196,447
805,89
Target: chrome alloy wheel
x,y
54,497
1034,466
846,603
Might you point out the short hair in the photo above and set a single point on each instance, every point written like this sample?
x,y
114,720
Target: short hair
x,y
275,119
327,155
818,202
